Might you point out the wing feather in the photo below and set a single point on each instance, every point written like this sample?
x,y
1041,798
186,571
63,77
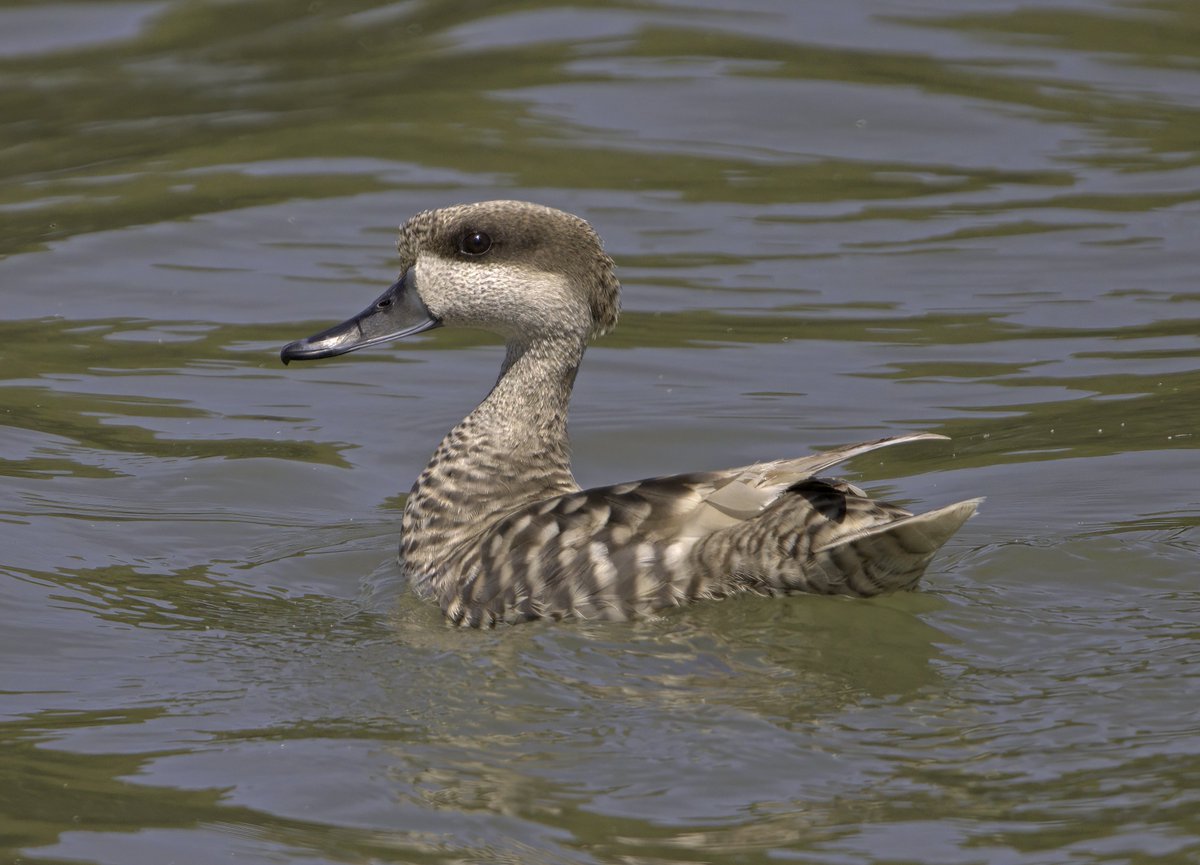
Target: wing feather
x,y
743,493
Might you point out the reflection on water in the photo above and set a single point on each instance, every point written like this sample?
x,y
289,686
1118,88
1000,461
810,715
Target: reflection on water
x,y
833,221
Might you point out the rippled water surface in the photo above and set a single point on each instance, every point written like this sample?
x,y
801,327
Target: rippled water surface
x,y
833,220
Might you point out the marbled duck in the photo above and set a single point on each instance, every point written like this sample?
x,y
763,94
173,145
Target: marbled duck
x,y
496,528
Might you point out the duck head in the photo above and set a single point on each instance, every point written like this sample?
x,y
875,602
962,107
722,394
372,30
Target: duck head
x,y
522,271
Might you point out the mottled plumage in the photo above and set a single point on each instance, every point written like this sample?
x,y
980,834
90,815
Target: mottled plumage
x,y
497,529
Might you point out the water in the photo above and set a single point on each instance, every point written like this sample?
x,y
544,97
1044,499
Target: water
x,y
834,221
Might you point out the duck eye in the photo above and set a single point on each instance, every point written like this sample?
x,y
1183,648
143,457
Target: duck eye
x,y
474,243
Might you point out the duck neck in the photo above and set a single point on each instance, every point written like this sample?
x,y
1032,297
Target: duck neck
x,y
527,409
511,451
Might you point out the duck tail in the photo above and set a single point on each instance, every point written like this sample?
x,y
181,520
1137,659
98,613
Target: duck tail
x,y
891,556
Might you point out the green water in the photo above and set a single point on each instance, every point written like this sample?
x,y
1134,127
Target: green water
x,y
833,220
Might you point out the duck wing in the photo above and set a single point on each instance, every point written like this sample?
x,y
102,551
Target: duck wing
x,y
717,500
615,551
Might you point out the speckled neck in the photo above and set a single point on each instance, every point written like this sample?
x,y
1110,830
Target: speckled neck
x,y
528,405
511,451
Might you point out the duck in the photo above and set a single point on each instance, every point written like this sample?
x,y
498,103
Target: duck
x,y
497,530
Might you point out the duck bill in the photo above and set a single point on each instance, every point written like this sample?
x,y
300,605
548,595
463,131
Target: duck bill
x,y
395,314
